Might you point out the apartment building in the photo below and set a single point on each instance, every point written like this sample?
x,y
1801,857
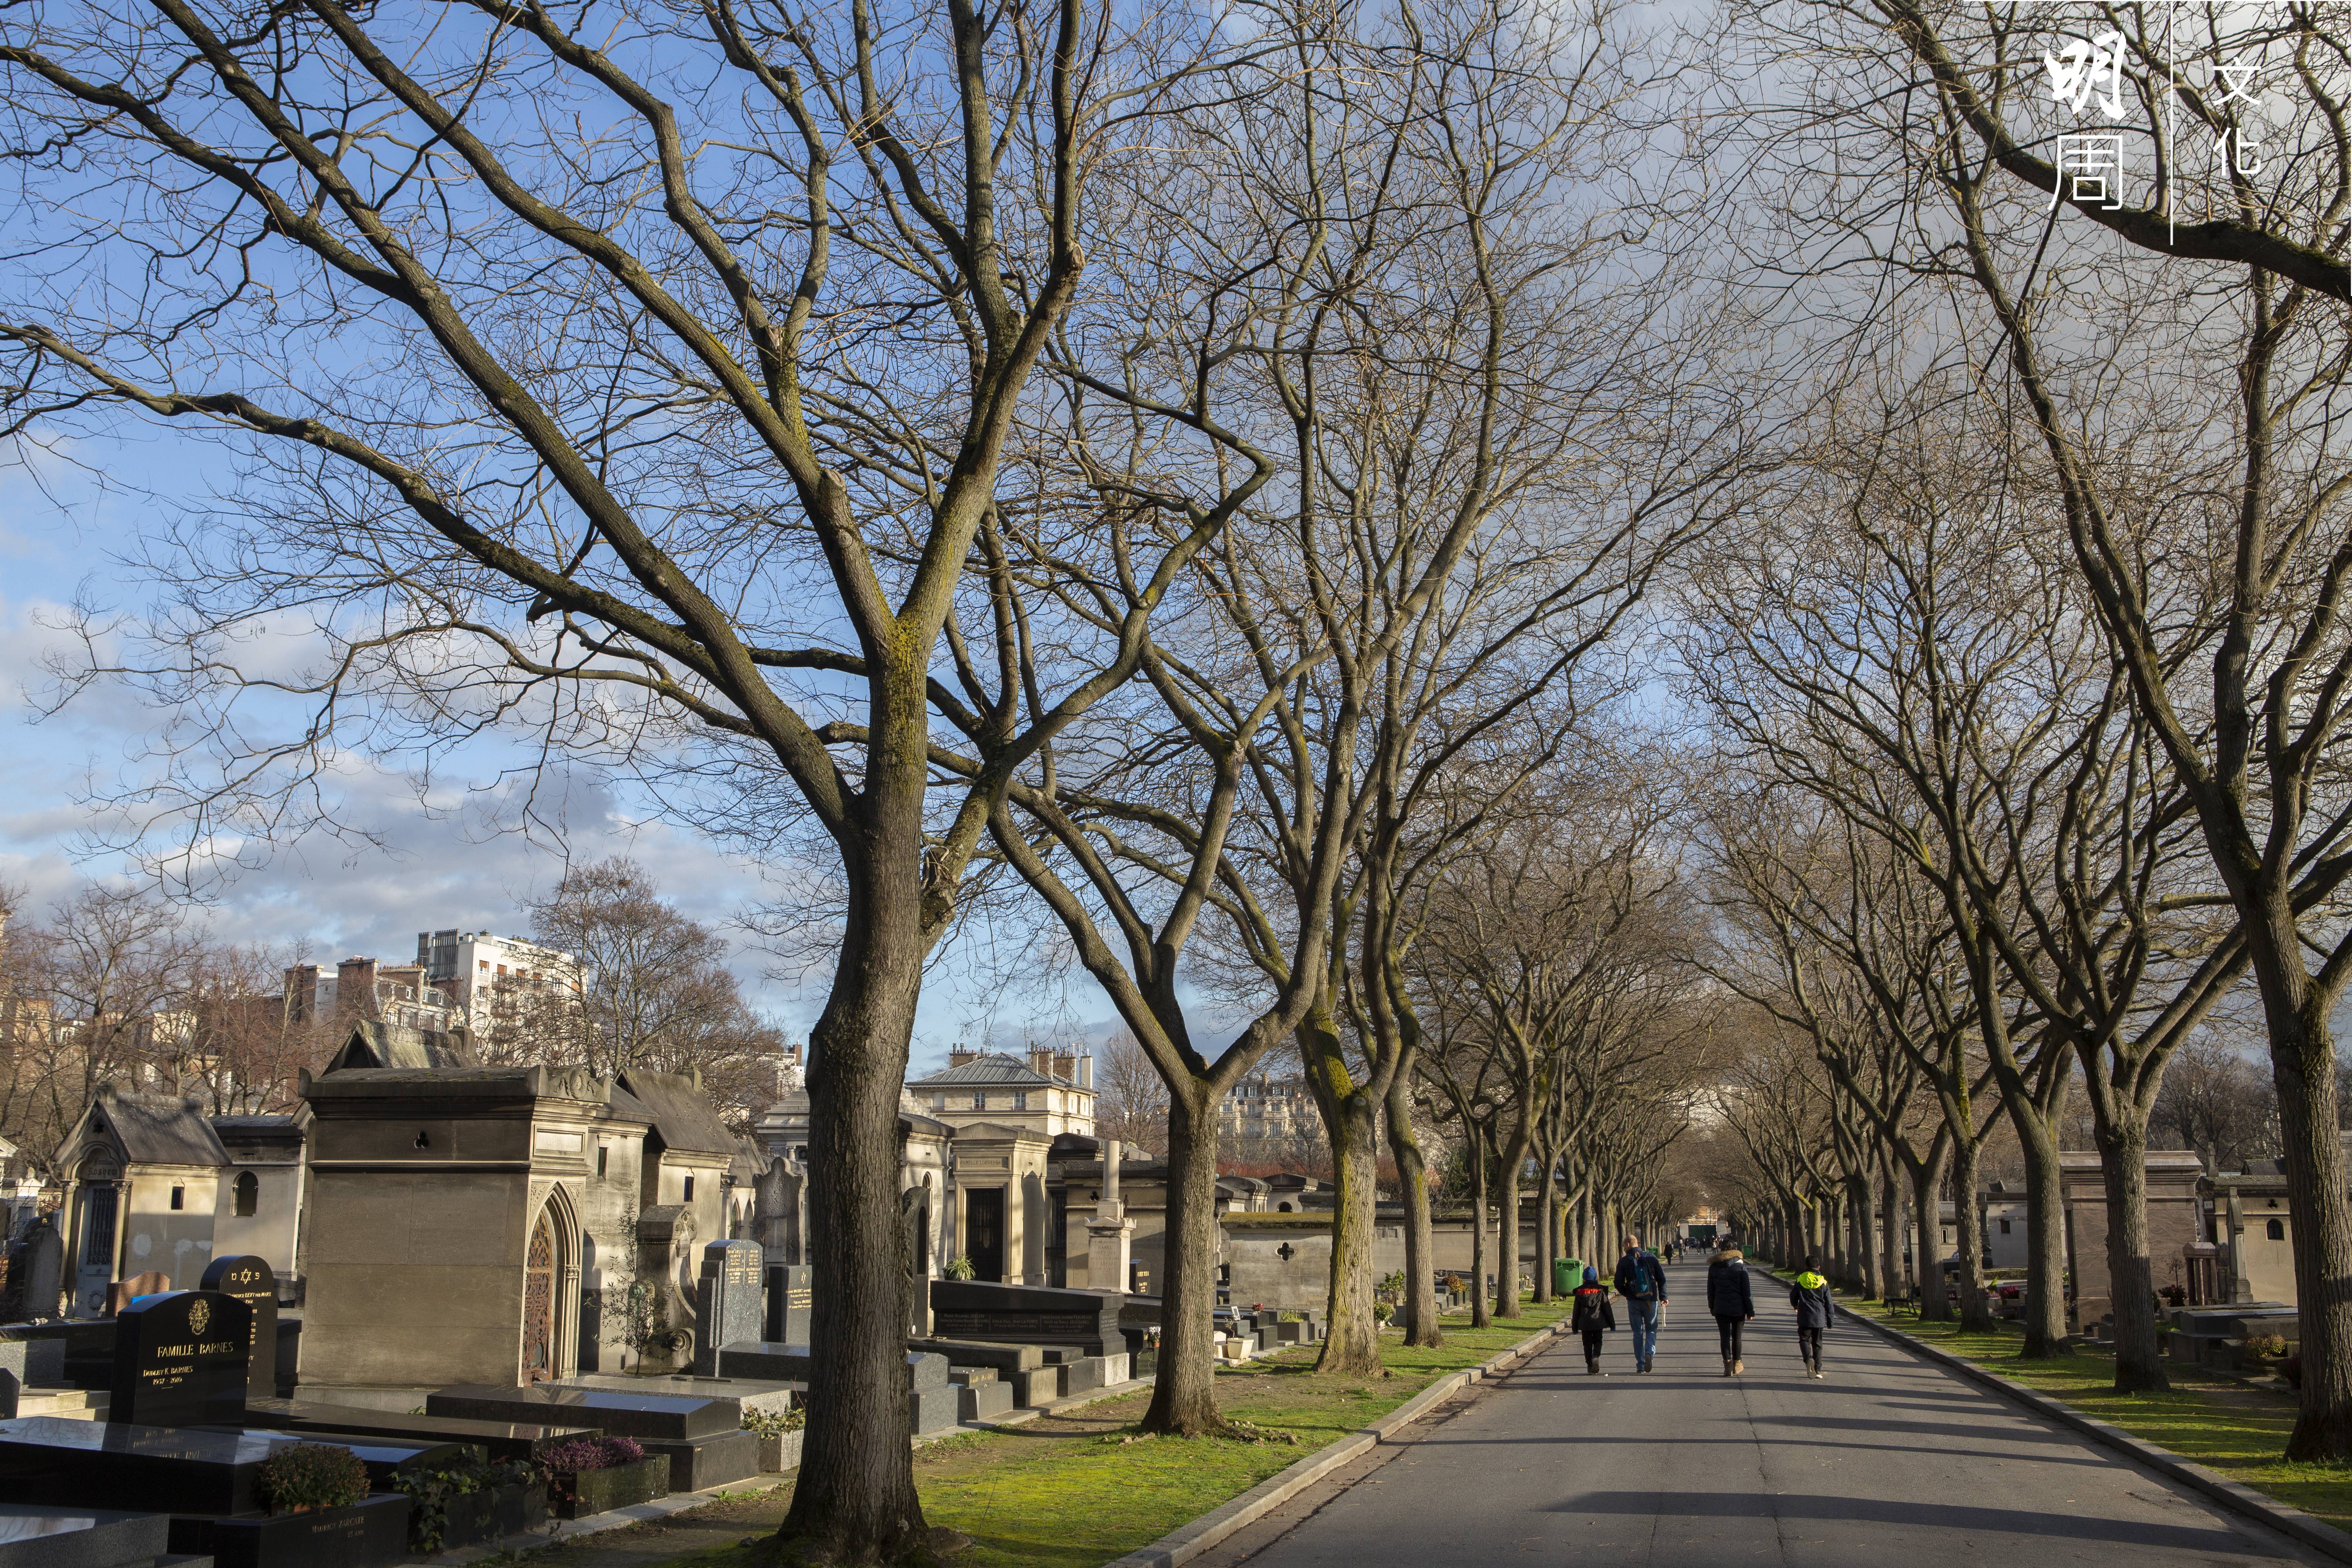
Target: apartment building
x,y
488,973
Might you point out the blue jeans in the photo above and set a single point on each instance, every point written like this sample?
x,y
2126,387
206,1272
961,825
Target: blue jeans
x,y
1644,1318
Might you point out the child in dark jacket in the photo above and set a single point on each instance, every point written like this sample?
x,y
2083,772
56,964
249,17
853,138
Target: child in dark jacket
x,y
1591,1315
1816,1308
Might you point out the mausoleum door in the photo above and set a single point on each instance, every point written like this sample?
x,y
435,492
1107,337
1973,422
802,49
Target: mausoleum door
x,y
539,1306
98,1212
983,1226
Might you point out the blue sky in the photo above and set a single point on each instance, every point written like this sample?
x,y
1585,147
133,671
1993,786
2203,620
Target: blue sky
x,y
60,533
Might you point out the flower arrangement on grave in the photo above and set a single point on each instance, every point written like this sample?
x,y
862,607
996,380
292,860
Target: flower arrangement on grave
x,y
429,1492
959,1268
308,1477
562,1463
774,1423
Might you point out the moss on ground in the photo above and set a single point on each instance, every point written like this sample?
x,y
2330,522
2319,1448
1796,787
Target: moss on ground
x,y
2221,1423
1078,1489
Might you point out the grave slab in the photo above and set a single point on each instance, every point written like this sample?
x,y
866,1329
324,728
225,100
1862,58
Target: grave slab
x,y
699,1462
746,1393
41,1536
365,1535
934,1409
1033,1314
983,1401
668,1417
100,1464
503,1440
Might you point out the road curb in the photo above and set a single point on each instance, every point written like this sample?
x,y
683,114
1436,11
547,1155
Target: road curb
x,y
2235,1495
1186,1542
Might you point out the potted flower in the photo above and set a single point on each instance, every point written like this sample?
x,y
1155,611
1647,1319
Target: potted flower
x,y
309,1477
597,1474
779,1432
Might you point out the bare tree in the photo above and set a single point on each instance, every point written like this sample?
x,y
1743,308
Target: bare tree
x,y
645,383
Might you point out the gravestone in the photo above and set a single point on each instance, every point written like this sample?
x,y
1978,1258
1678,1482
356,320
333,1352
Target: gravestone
x,y
179,1360
726,1301
789,1300
252,1281
39,1265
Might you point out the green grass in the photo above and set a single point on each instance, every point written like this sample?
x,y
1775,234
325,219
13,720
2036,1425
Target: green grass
x,y
1080,1490
2219,1423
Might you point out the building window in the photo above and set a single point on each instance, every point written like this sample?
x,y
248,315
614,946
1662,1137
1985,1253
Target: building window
x,y
604,1153
979,1102
1020,1100
248,1188
690,1189
180,1194
2275,1230
2004,1228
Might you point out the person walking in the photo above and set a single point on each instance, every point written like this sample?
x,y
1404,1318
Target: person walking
x,y
1730,1300
1815,1309
1591,1314
1642,1281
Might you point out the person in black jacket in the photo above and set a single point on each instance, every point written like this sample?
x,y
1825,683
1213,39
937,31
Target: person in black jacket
x,y
1731,1301
1815,1309
1591,1315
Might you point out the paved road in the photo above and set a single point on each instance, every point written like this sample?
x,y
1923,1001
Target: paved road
x,y
1890,1463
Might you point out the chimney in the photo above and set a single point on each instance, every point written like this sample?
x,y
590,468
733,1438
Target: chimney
x,y
355,987
958,1055
1041,1060
1086,1072
1066,1066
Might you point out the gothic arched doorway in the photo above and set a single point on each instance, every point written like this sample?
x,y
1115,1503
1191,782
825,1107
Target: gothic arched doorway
x,y
539,1304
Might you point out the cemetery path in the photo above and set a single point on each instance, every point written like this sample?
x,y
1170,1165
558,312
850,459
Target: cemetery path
x,y
1891,1462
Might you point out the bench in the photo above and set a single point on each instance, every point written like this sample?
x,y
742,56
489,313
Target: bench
x,y
1902,1299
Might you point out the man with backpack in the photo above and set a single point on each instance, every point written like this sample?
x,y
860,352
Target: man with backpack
x,y
1816,1308
1642,1281
1591,1315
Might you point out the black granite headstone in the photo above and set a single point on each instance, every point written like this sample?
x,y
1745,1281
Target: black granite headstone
x,y
726,1301
179,1360
252,1281
789,1301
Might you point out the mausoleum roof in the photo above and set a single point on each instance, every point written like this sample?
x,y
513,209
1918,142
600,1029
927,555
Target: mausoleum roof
x,y
683,1118
376,1044
991,1067
152,1129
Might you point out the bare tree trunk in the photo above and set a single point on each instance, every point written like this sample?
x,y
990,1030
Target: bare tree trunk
x,y
1890,1203
1967,1238
2045,1258
1546,1229
2303,1066
1354,1342
1183,1395
1506,1230
1926,1251
1481,1252
2123,1166
1420,1238
1864,1208
857,1485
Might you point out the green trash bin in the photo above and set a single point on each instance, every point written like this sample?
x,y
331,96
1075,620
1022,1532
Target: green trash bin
x,y
1566,1273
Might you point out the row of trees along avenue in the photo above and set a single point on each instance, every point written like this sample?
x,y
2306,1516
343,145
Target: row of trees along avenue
x,y
1575,578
